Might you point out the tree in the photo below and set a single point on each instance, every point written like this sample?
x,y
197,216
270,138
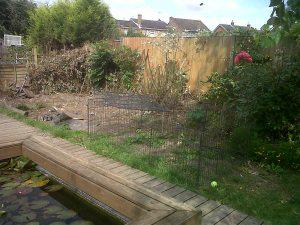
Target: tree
x,y
14,17
284,22
70,22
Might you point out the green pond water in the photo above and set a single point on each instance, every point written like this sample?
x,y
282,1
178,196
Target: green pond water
x,y
29,197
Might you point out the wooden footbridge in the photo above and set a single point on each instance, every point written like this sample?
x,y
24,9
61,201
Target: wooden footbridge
x,y
138,196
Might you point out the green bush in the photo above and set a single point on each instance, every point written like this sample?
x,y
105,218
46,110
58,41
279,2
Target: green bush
x,y
283,153
196,116
244,142
113,66
264,96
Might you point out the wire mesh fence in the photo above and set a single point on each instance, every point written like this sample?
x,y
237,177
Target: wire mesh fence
x,y
187,144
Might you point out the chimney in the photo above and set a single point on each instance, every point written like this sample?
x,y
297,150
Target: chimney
x,y
140,17
232,23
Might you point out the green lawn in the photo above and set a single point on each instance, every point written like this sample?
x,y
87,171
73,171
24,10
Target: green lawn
x,y
272,196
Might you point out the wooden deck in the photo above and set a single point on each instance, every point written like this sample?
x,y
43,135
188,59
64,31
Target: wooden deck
x,y
142,198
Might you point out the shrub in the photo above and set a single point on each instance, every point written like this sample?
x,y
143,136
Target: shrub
x,y
244,142
165,84
62,72
23,107
257,94
102,64
114,67
196,116
70,23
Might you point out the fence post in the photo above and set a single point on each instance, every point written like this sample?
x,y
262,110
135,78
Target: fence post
x,y
35,56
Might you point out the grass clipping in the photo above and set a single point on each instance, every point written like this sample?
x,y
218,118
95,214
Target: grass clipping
x,y
65,71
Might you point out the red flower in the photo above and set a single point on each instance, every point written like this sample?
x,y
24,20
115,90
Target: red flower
x,y
243,56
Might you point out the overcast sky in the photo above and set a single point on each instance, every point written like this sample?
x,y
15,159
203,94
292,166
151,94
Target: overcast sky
x,y
212,13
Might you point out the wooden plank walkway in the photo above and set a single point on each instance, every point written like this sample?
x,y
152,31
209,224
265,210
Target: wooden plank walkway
x,y
142,198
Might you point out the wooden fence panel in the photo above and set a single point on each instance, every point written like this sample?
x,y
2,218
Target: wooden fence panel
x,y
202,59
10,74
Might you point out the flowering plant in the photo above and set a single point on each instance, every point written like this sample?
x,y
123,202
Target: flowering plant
x,y
243,56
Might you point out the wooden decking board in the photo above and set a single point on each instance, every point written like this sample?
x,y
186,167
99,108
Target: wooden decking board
x,y
115,201
83,153
137,175
11,151
163,187
10,139
176,217
92,156
113,166
20,127
196,201
173,191
107,162
251,221
114,186
68,146
128,183
208,206
152,201
233,218
184,196
99,159
13,131
144,179
153,183
216,215
120,169
10,123
126,173
11,143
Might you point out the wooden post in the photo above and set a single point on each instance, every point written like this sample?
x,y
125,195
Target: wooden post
x,y
35,56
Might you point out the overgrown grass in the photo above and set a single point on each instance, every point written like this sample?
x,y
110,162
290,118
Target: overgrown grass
x,y
270,195
36,106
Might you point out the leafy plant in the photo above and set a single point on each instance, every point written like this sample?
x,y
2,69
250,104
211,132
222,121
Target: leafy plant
x,y
196,116
23,107
147,138
256,94
65,24
166,82
113,67
14,18
283,24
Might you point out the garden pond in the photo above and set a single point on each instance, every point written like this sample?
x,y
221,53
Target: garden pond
x,y
30,197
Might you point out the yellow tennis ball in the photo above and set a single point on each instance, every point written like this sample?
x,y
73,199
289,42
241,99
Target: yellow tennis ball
x,y
214,184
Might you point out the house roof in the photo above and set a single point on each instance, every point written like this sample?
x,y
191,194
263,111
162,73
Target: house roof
x,y
231,28
124,23
151,24
189,25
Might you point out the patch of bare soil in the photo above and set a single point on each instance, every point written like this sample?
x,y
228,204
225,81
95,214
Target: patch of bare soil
x,y
74,105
